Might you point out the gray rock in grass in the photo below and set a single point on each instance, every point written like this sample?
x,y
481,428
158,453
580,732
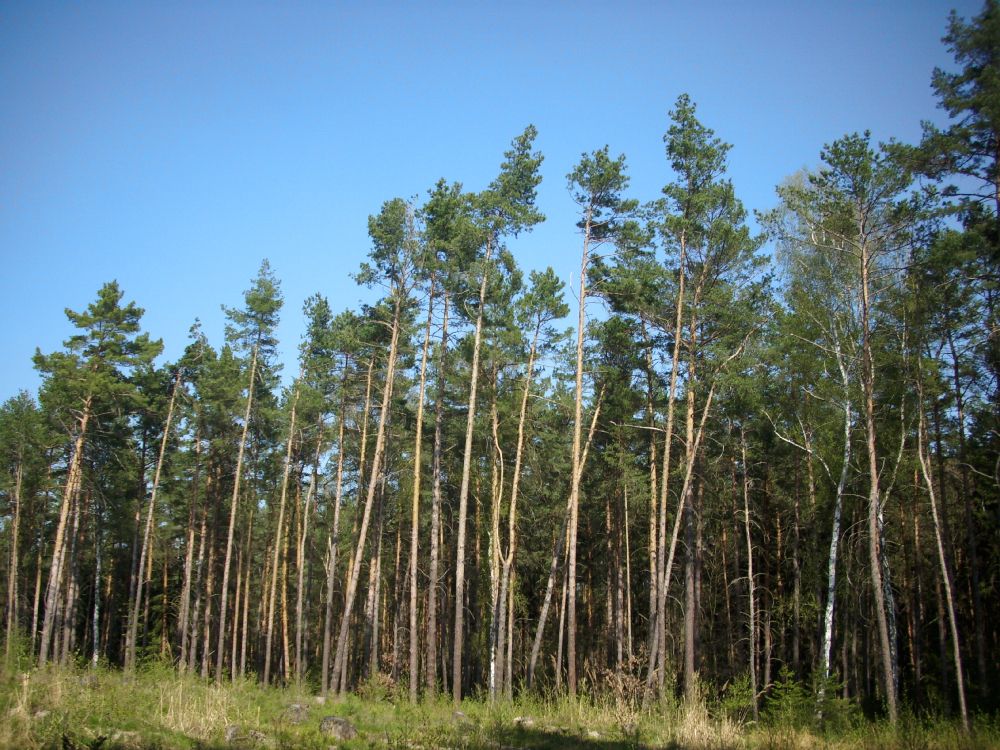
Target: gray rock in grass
x,y
338,728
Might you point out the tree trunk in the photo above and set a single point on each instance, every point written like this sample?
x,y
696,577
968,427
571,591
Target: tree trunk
x,y
233,506
879,582
183,618
942,557
70,491
463,495
497,609
415,508
557,554
692,450
133,620
970,528
199,572
658,641
206,648
653,492
435,531
300,563
352,583
96,620
505,635
37,599
333,541
750,578
12,573
286,651
574,496
72,588
691,453
838,506
278,534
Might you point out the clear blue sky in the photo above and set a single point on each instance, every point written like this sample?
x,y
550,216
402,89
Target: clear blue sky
x,y
172,146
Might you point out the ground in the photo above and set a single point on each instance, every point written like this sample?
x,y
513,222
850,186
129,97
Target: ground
x,y
73,709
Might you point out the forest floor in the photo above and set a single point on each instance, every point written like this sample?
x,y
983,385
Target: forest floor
x,y
74,709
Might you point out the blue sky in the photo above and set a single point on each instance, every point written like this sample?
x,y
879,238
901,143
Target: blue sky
x,y
172,145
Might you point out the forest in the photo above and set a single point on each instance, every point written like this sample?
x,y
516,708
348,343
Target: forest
x,y
740,458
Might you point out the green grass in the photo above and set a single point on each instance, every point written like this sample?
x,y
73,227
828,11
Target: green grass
x,y
157,708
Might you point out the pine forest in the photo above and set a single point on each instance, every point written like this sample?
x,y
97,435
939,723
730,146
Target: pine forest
x,y
744,461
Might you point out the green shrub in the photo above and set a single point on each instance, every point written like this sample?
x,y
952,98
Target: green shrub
x,y
737,698
789,703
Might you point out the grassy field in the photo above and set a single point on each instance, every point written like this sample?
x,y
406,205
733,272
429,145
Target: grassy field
x,y
72,709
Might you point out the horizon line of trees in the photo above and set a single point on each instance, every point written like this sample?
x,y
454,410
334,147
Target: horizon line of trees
x,y
744,470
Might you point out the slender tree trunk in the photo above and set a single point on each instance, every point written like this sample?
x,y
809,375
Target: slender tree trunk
x,y
562,620
286,651
37,599
233,506
658,646
574,501
206,648
970,528
879,582
942,557
374,584
246,598
146,604
98,570
72,588
133,620
415,508
628,580
199,574
333,541
72,488
247,578
690,597
12,572
692,450
509,662
341,679
352,583
838,506
750,579
505,635
400,589
463,495
278,534
237,601
435,531
557,555
183,618
496,491
300,563
653,491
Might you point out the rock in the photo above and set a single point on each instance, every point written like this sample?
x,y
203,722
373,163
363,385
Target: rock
x,y
524,722
253,738
338,728
296,713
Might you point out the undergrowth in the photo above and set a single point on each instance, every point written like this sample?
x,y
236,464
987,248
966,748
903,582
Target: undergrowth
x,y
155,707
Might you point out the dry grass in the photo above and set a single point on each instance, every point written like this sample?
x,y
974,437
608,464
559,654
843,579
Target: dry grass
x,y
157,708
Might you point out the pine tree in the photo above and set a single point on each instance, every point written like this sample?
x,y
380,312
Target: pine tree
x,y
84,383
